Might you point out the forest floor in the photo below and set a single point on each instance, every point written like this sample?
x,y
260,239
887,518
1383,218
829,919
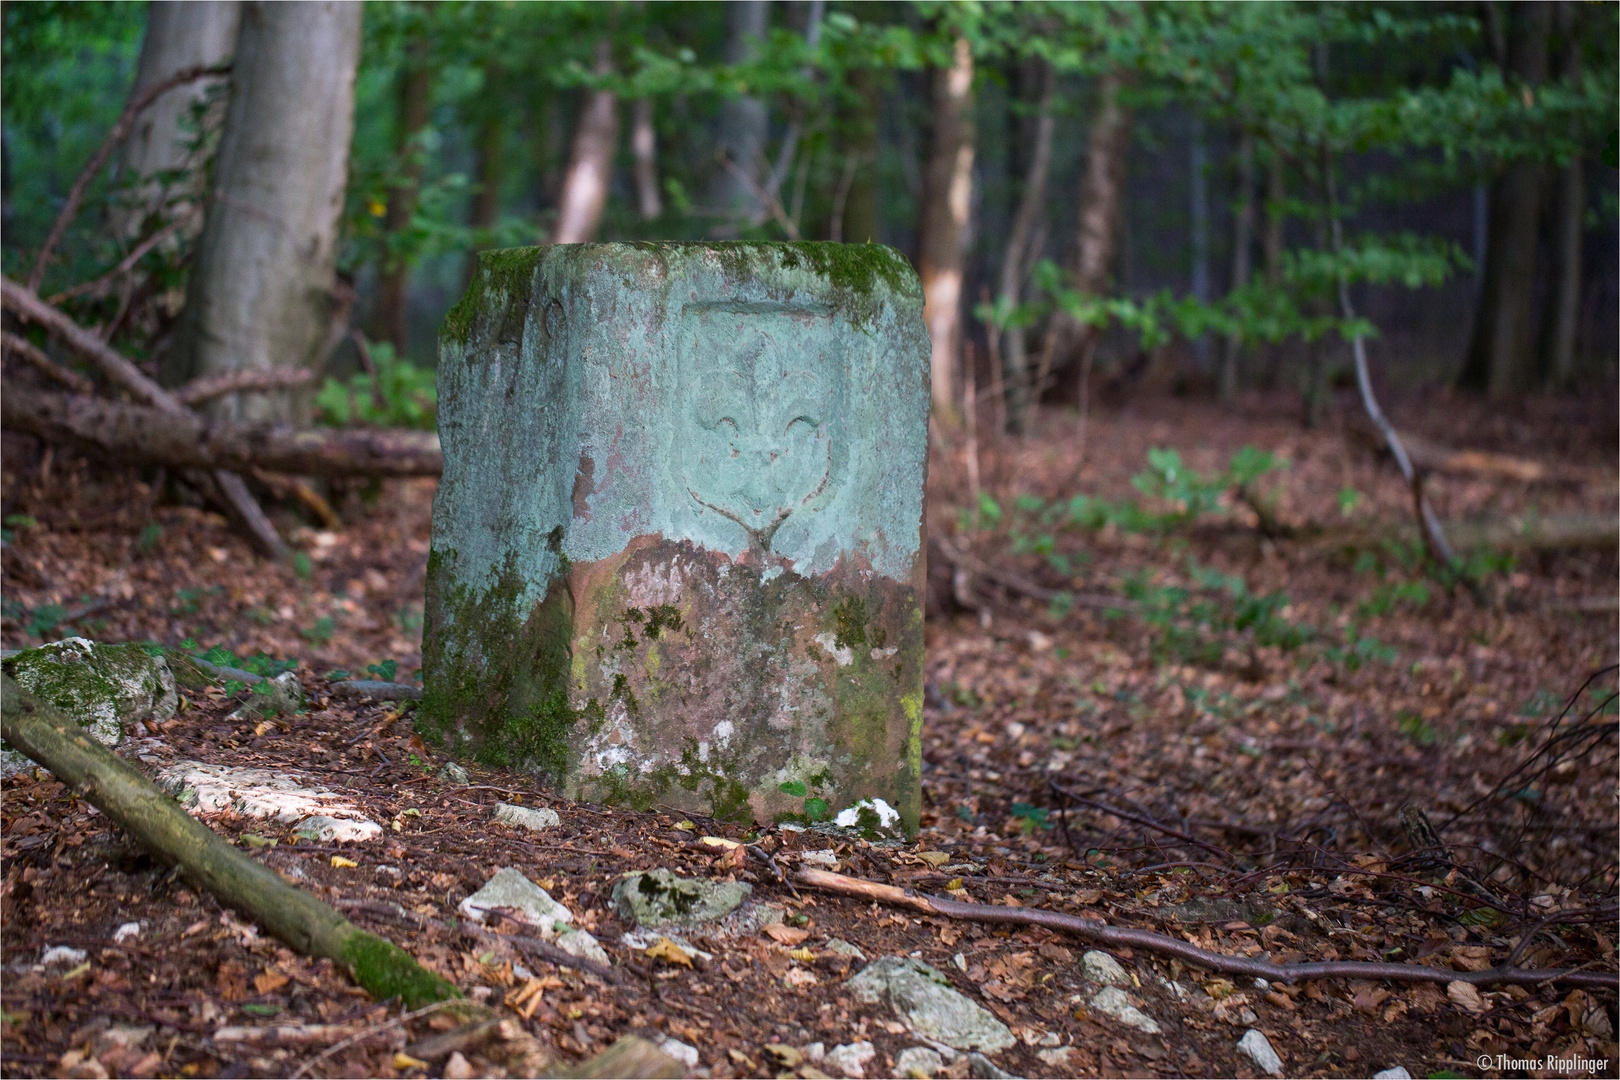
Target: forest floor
x,y
1231,779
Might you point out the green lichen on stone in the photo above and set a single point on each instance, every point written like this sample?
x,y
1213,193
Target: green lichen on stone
x,y
854,268
103,687
656,898
506,270
850,617
387,971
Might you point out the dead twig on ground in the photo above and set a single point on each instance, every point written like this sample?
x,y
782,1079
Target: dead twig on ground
x,y
1164,945
16,343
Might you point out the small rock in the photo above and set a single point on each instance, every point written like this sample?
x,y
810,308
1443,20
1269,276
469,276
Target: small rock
x,y
104,687
1099,967
285,697
128,932
510,889
525,817
918,1061
457,1068
1395,1073
982,1068
453,774
873,816
840,947
797,978
1262,985
681,1052
654,898
925,1001
1258,1048
582,944
1057,1057
815,1052
820,858
788,1057
1112,1002
338,830
960,961
850,1059
62,956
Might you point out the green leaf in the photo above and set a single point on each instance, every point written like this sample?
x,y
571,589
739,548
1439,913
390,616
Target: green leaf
x,y
795,788
815,809
261,1010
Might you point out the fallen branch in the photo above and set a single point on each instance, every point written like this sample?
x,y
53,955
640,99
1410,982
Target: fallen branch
x,y
120,129
103,285
32,353
232,492
247,380
968,561
1164,945
1551,532
134,434
140,809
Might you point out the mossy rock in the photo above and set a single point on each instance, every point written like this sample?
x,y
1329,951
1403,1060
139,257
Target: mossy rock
x,y
106,688
656,898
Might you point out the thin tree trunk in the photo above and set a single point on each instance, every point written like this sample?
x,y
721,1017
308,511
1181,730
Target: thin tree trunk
x,y
489,162
590,168
947,200
1242,238
139,434
1501,356
414,92
1198,214
860,219
1271,240
743,123
180,34
1102,196
644,145
1023,393
262,283
1568,228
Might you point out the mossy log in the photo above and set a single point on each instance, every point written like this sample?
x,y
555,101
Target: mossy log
x,y
139,807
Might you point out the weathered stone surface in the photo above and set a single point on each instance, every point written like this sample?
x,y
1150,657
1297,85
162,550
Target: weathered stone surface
x,y
1257,1047
677,544
925,1001
918,1061
583,944
104,687
526,817
1100,967
850,1059
510,889
262,793
1112,1002
656,898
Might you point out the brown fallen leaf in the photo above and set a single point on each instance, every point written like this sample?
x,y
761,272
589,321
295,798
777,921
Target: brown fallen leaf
x,y
1471,957
669,952
269,980
1367,998
785,934
936,859
1465,996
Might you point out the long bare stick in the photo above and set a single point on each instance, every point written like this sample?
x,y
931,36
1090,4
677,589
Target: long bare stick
x,y
35,355
120,130
25,302
210,387
103,284
1164,945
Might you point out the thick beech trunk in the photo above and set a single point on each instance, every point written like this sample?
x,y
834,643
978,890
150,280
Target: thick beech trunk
x,y
947,200
1023,385
261,291
1501,356
140,809
590,168
180,34
137,434
414,92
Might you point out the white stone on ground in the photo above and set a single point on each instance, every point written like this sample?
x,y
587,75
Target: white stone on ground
x,y
840,947
526,817
1398,1072
1057,1058
918,1061
510,889
681,1052
337,830
815,1052
1258,1048
925,1001
261,793
850,1059
458,1068
62,955
127,932
583,944
1112,1002
1099,967
879,815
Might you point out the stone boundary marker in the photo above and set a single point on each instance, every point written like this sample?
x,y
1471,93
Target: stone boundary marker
x,y
677,548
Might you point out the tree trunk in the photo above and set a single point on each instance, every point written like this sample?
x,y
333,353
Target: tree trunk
x,y
861,219
1198,215
261,289
743,123
1102,196
947,200
139,434
489,161
1568,228
644,145
1501,356
1271,241
414,102
180,34
590,169
1242,237
157,822
1023,389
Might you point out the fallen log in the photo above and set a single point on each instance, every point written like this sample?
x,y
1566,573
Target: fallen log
x,y
137,434
138,807
1164,945
1541,532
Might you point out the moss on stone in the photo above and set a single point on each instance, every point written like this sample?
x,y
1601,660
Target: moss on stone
x,y
854,268
506,270
387,971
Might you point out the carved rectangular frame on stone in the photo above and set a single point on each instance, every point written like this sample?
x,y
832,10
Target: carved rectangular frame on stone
x,y
677,548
